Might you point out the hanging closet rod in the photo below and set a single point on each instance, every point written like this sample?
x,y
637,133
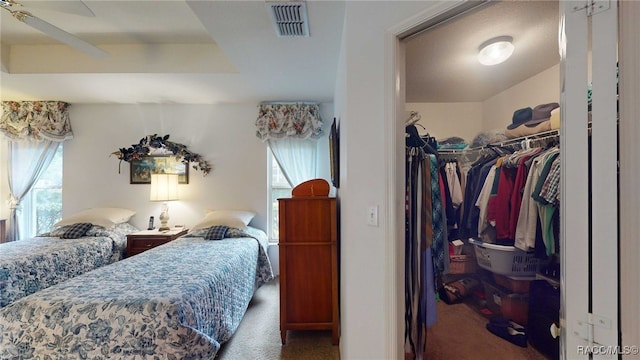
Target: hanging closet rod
x,y
455,151
539,136
519,140
550,136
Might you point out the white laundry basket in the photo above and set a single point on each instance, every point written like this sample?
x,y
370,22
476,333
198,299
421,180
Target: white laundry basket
x,y
505,260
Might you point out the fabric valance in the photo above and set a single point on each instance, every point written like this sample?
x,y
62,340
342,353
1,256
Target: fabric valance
x,y
35,120
296,120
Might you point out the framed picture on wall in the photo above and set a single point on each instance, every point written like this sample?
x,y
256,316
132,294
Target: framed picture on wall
x,y
334,153
141,169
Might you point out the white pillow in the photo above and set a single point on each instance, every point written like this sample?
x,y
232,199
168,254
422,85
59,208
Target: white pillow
x,y
232,218
106,217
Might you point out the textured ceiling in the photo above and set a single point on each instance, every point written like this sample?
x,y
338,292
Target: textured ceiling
x,y
442,62
171,52
227,51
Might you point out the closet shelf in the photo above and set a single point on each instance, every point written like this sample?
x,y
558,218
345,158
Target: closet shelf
x,y
515,141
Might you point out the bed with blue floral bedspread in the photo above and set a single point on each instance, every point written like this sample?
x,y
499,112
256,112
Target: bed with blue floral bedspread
x,y
27,266
181,300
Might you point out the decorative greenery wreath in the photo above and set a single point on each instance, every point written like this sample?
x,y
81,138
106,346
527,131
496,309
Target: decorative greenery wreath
x,y
143,148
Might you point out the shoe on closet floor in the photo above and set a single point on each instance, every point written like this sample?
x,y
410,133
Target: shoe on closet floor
x,y
500,321
508,330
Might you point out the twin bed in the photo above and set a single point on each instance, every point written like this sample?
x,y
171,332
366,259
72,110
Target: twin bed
x,y
180,300
34,264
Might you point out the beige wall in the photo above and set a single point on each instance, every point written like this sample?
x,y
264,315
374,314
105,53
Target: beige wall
x,y
466,120
443,120
539,89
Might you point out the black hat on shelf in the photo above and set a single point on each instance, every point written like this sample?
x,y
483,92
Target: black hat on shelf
x,y
520,117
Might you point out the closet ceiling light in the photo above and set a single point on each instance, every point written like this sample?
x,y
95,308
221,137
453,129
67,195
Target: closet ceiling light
x,y
496,50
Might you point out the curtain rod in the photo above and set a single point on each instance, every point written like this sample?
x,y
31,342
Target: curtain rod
x,y
288,103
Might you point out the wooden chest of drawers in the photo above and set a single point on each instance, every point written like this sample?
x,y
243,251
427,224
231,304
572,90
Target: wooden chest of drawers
x,y
308,265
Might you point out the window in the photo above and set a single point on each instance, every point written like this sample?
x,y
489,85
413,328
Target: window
x,y
42,206
278,188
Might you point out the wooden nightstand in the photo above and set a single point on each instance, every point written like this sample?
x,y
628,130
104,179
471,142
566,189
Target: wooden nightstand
x,y
142,241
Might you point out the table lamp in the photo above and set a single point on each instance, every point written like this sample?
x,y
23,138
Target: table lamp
x,y
164,187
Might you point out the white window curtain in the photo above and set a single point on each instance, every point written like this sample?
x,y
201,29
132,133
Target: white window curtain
x,y
291,131
27,161
34,129
296,157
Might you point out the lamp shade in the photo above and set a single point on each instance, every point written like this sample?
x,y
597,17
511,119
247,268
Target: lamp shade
x,y
164,187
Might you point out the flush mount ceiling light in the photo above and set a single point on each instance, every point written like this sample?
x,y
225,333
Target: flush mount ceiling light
x,y
496,50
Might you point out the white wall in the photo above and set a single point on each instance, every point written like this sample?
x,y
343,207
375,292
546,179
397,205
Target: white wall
x,y
222,134
629,175
360,104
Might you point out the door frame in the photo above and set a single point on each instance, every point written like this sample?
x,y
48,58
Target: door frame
x,y
394,163
574,268
629,11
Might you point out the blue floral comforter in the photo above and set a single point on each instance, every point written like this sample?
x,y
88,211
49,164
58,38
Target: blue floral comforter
x,y
27,266
180,300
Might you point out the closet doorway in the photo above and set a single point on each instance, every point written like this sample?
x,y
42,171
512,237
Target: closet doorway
x,y
468,106
440,121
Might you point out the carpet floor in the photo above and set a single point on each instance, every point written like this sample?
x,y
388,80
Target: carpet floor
x,y
258,336
459,333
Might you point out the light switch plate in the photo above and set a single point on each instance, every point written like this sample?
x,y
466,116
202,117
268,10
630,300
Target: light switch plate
x,y
372,216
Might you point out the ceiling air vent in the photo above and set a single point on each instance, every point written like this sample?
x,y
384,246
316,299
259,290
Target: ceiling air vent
x,y
289,18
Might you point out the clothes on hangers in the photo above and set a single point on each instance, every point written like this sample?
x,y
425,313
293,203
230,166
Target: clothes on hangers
x,y
414,139
512,197
521,207
452,192
453,180
475,180
425,244
504,207
433,143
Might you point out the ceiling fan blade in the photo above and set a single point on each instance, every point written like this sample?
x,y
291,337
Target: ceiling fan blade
x,y
59,34
75,7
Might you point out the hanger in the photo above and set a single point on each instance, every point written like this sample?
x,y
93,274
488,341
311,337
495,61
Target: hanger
x,y
413,138
414,117
499,150
430,139
550,143
430,149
